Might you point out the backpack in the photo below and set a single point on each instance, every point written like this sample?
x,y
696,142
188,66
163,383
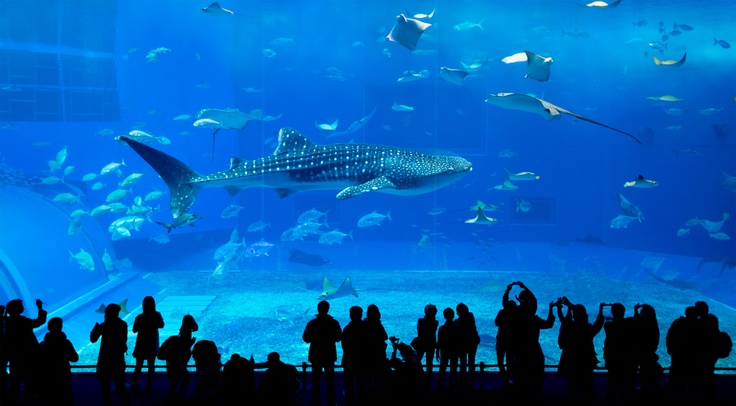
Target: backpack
x,y
168,348
723,345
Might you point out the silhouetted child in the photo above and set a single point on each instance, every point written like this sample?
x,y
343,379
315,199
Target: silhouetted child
x,y
322,333
426,340
146,325
469,340
111,358
279,384
578,358
448,349
238,381
353,357
504,338
177,351
21,347
55,353
406,373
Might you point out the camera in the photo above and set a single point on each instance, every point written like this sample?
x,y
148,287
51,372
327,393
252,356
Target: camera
x,y
394,340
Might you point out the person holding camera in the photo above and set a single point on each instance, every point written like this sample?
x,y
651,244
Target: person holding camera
x,y
578,358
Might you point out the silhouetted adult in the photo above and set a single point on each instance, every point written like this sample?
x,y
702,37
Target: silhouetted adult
x,y
146,325
706,353
353,357
55,353
426,340
578,358
322,333
645,343
3,357
375,351
111,359
469,340
238,381
177,351
505,336
681,343
528,351
618,354
448,350
279,384
21,346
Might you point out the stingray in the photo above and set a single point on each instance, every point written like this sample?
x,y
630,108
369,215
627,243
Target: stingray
x,y
302,257
329,291
451,75
481,218
216,9
407,31
670,62
523,102
355,126
228,119
537,67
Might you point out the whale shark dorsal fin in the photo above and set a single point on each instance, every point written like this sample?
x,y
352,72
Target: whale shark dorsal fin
x,y
292,140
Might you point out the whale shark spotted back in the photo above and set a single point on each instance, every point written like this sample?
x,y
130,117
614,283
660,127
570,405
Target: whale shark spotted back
x,y
298,165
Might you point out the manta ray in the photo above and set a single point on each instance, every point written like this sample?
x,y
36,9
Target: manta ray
x,y
329,291
481,218
298,165
537,67
216,9
670,62
451,75
524,102
228,119
407,31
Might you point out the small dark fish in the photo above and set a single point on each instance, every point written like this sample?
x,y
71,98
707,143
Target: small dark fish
x,y
682,27
661,30
302,257
675,33
721,42
665,37
640,23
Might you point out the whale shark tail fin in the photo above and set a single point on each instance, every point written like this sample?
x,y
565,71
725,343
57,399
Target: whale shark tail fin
x,y
174,172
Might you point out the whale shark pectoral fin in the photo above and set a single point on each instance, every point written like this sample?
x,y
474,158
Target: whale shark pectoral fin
x,y
373,184
283,192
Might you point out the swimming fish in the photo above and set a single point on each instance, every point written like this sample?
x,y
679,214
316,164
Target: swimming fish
x,y
227,119
628,208
184,219
410,76
721,42
302,257
601,4
521,175
355,126
670,62
667,98
216,9
714,226
640,182
481,218
467,25
451,75
407,31
373,219
523,206
329,291
709,111
622,221
401,107
327,126
506,185
523,102
298,164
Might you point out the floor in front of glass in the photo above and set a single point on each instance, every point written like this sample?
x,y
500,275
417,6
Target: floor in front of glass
x,y
259,311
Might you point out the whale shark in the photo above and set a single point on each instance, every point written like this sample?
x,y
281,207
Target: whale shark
x,y
299,164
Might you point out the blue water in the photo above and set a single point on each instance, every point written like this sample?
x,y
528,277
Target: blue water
x,y
80,68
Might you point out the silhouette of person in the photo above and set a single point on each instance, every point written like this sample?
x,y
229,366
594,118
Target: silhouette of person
x,y
111,358
706,353
681,341
279,384
469,340
55,353
529,366
426,340
322,333
21,346
504,338
146,325
645,343
375,351
353,357
578,358
448,349
618,354
238,381
406,373
177,351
